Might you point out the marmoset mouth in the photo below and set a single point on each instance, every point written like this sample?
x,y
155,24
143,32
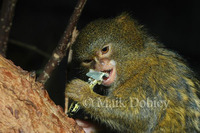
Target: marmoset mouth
x,y
110,79
107,71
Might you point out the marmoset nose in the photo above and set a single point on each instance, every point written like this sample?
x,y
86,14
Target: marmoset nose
x,y
99,61
99,64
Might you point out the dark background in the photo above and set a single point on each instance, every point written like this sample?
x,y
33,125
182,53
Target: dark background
x,y
41,23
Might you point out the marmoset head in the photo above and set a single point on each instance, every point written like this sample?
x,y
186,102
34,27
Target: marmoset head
x,y
107,45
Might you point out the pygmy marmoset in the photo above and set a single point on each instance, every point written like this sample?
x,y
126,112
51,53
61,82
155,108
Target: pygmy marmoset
x,y
150,88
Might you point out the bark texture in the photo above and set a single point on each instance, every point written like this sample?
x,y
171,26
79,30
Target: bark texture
x,y
26,107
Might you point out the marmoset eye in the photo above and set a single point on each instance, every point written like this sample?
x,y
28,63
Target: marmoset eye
x,y
105,50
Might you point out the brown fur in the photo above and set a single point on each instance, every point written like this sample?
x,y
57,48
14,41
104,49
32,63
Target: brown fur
x,y
145,69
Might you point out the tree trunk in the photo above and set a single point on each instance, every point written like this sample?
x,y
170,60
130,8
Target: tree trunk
x,y
26,107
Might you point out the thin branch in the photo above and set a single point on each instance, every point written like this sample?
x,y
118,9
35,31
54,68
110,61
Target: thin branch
x,y
6,17
29,47
68,74
64,44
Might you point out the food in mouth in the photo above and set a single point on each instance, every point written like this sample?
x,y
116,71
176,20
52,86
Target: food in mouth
x,y
107,81
107,71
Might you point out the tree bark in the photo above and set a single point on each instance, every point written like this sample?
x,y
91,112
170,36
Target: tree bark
x,y
26,107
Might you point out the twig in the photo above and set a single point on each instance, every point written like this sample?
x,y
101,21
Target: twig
x,y
64,44
7,13
29,47
74,35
